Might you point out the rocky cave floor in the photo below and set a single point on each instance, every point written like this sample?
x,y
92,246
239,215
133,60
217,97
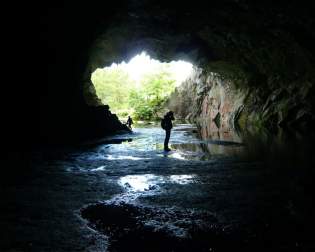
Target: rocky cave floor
x,y
125,194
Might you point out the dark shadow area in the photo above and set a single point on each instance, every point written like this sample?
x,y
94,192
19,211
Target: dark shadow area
x,y
124,227
257,198
258,184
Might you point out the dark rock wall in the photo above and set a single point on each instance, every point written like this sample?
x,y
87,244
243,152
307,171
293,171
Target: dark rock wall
x,y
207,96
264,47
225,105
67,32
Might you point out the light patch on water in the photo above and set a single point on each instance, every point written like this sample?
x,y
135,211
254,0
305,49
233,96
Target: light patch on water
x,y
177,155
111,157
148,182
182,155
182,179
140,182
101,168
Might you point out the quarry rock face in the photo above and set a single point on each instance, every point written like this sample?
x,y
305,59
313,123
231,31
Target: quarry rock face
x,y
217,100
210,97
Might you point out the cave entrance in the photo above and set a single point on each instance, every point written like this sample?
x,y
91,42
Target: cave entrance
x,y
140,87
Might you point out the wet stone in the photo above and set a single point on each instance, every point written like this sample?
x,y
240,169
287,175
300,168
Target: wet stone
x,y
216,192
134,228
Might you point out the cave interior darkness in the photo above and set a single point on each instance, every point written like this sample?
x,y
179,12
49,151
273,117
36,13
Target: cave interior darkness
x,y
265,49
270,43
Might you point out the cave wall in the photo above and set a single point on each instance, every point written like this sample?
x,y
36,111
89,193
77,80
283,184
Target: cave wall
x,y
67,31
266,48
220,102
208,97
263,63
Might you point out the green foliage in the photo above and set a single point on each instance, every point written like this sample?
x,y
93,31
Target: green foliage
x,y
112,87
149,99
115,88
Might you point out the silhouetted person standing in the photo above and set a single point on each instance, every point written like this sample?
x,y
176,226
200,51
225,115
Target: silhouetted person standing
x,y
129,122
167,125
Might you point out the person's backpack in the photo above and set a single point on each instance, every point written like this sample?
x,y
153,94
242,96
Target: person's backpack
x,y
163,123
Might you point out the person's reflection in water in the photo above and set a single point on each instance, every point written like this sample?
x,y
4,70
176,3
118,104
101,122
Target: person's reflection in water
x,y
166,124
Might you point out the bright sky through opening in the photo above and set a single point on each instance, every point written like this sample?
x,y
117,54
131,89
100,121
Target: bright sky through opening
x,y
142,64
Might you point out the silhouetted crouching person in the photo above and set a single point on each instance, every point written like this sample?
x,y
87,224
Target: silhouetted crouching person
x,y
129,122
167,125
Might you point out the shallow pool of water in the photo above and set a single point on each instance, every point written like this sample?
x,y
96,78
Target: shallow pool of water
x,y
211,192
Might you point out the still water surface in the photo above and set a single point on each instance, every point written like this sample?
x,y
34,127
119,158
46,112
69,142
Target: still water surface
x,y
215,191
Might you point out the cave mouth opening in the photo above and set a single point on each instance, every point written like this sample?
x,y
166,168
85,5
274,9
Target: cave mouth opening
x,y
140,87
